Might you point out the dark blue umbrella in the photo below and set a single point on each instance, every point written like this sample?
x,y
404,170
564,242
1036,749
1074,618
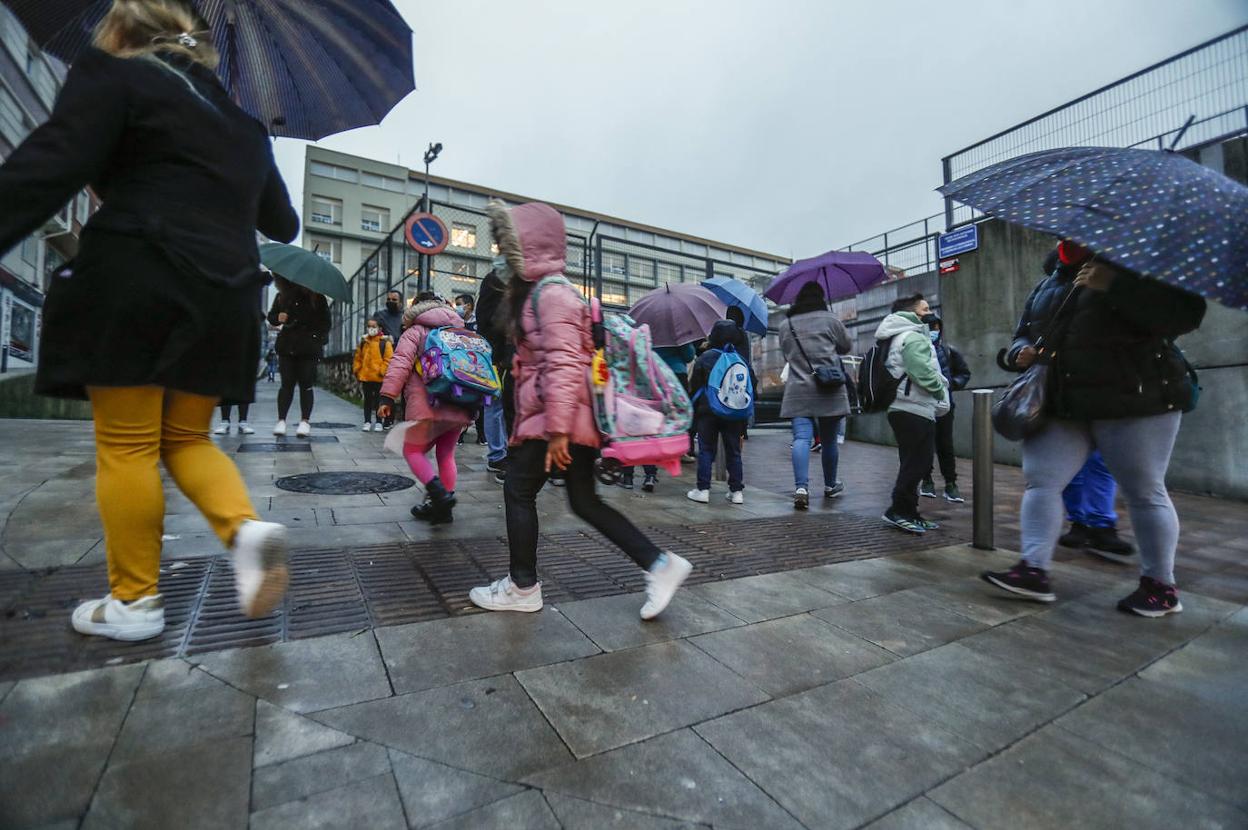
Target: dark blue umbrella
x,y
304,68
736,293
1151,211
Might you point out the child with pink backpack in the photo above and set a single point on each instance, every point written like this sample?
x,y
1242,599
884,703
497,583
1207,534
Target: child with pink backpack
x,y
555,425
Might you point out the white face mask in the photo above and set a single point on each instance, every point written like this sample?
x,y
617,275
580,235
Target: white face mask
x,y
373,331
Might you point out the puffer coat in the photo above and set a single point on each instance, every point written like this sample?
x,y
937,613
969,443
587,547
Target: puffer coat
x,y
401,378
372,359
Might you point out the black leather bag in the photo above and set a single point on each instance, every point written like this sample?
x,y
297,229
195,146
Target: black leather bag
x,y
1021,411
828,378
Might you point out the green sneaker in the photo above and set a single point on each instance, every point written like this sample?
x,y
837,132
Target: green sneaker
x,y
928,488
952,494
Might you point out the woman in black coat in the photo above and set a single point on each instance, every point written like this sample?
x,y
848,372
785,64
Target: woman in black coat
x,y
155,320
305,321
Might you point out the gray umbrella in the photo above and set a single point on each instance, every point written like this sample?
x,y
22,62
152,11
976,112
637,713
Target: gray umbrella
x,y
679,314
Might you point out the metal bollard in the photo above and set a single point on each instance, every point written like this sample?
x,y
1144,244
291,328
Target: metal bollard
x,y
981,475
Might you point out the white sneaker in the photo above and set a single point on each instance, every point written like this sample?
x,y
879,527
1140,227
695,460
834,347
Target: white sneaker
x,y
662,580
222,429
244,428
735,496
503,595
700,496
279,428
377,427
367,427
260,571
139,620
304,430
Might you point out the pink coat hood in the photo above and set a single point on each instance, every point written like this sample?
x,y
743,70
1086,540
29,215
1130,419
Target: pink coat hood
x,y
532,238
419,320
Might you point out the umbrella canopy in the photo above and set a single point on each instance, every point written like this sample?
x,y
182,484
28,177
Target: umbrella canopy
x,y
307,268
841,273
1152,211
736,293
678,314
304,68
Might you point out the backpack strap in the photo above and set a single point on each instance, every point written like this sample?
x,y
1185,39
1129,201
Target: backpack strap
x,y
553,279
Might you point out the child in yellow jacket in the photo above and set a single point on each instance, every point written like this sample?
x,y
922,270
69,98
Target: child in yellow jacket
x,y
372,359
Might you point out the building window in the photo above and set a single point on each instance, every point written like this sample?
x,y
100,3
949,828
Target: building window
x,y
464,235
30,251
613,264
641,270
614,295
576,258
695,273
333,171
22,332
383,182
669,273
374,219
463,267
329,250
326,211
84,207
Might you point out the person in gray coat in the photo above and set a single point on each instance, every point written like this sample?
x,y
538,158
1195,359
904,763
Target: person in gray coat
x,y
812,337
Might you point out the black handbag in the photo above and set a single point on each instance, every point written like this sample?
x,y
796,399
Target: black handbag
x,y
828,378
1021,411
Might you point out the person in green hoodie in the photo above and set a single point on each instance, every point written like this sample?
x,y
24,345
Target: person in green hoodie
x,y
922,397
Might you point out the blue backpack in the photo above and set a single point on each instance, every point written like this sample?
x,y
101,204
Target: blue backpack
x,y
728,389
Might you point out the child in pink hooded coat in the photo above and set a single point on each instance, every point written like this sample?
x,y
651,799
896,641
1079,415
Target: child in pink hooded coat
x,y
555,425
434,427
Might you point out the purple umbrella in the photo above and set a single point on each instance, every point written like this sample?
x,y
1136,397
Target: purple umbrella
x,y
678,314
841,273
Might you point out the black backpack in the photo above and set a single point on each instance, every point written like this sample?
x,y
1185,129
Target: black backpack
x,y
877,388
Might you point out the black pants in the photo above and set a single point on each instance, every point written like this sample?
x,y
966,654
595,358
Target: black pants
x,y
944,450
243,409
372,392
710,429
300,370
526,473
916,444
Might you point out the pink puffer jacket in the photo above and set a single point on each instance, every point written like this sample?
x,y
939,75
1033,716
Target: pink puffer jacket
x,y
420,319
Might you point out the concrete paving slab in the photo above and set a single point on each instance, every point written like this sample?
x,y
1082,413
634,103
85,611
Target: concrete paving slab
x,y
905,622
613,623
442,652
433,792
371,515
604,702
956,560
52,552
1211,667
528,810
162,790
184,718
348,537
372,803
462,726
282,735
844,770
977,600
578,814
301,777
920,814
792,654
1187,737
981,699
758,598
305,675
676,775
1057,780
865,578
57,733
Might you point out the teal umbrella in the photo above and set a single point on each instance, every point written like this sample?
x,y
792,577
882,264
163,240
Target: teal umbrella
x,y
306,268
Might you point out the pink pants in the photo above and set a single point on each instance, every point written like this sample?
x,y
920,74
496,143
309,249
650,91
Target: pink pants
x,y
445,452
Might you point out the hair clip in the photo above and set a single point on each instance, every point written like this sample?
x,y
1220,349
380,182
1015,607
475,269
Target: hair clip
x,y
188,40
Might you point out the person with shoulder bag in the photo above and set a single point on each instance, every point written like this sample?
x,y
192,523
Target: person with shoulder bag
x,y
305,322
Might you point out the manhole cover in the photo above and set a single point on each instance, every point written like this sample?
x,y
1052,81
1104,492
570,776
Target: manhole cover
x,y
334,425
344,484
270,446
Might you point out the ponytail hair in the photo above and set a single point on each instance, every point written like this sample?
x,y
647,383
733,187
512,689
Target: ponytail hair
x,y
142,28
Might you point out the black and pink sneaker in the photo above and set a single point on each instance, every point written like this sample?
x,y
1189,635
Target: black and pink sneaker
x,y
1152,599
1022,580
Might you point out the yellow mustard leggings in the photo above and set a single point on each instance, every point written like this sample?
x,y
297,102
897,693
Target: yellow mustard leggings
x,y
136,428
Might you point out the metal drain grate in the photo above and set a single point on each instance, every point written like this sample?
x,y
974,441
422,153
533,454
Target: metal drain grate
x,y
271,446
340,590
343,484
334,425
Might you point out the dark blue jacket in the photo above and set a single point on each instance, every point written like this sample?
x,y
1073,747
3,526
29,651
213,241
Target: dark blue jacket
x,y
724,332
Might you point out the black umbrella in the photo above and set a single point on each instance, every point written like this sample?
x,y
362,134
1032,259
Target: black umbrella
x,y
304,68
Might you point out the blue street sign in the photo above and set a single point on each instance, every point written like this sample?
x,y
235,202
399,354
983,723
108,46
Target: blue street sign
x,y
427,233
958,242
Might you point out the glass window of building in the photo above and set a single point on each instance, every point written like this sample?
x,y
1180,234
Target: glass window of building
x,y
464,235
641,270
668,272
382,182
13,124
328,249
326,211
22,332
84,207
30,251
374,219
333,171
576,258
461,267
695,273
612,263
614,294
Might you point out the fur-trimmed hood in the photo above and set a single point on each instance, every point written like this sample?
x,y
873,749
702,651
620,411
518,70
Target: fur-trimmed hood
x,y
531,237
431,314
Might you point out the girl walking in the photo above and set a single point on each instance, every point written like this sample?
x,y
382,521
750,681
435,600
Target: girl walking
x,y
429,427
372,359
555,427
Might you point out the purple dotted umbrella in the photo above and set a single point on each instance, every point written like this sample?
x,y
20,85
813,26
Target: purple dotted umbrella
x,y
1151,211
678,314
841,273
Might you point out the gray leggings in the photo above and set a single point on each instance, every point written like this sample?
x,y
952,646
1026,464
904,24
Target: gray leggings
x,y
1137,452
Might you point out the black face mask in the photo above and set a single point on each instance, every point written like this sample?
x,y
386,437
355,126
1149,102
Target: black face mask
x,y
929,319
393,306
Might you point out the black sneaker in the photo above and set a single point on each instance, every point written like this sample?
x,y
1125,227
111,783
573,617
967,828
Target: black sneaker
x,y
499,466
801,498
1152,599
626,483
952,494
1023,580
1107,544
902,523
1076,538
835,491
928,488
649,482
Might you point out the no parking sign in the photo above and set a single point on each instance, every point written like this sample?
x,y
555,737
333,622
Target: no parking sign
x,y
427,233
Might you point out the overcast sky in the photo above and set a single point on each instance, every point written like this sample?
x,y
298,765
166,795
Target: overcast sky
x,y
790,126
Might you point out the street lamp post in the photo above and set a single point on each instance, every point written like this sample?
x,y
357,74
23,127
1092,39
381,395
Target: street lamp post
x,y
426,278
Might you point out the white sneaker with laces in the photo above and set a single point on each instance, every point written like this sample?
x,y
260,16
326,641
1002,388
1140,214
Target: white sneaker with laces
x,y
700,496
222,429
260,571
244,428
129,621
279,428
662,580
367,427
304,430
735,496
503,595
377,427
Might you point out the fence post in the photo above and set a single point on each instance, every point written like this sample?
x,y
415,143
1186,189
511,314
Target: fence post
x,y
981,479
947,171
